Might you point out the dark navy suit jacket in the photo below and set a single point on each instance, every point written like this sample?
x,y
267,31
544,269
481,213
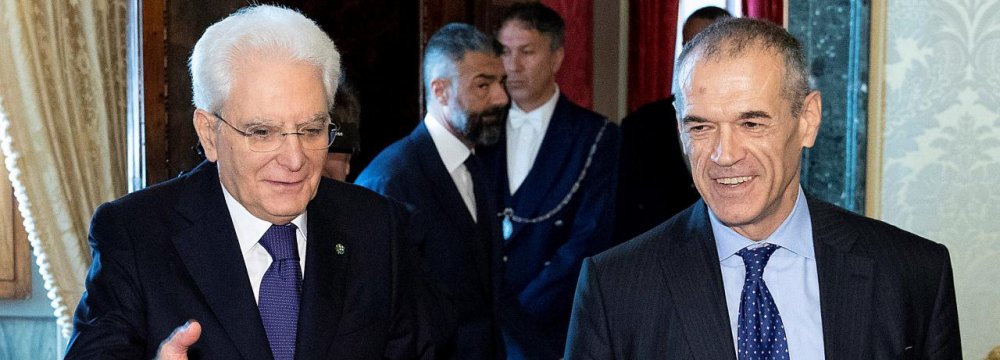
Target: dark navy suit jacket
x,y
169,253
542,260
462,253
884,293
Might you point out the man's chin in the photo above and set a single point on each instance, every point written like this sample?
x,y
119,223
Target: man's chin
x,y
284,214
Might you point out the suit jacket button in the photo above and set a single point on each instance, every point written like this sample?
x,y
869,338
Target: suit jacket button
x,y
559,222
505,258
547,263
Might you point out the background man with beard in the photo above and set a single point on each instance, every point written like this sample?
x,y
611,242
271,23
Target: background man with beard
x,y
557,176
436,172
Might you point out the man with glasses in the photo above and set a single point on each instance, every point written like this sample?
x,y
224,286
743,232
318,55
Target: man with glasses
x,y
253,254
436,172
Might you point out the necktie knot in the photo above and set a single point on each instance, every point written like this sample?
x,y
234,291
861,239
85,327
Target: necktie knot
x,y
472,163
756,259
279,241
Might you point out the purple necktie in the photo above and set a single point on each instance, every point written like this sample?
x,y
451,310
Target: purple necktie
x,y
761,334
280,290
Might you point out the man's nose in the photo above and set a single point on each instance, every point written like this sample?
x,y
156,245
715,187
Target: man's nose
x,y
498,95
512,63
291,154
728,148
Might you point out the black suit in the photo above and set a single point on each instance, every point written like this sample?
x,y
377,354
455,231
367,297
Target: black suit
x,y
884,293
170,253
462,253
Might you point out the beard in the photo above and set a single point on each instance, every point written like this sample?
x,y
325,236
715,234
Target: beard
x,y
482,127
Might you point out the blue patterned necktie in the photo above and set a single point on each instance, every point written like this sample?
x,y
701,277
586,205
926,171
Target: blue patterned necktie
x,y
761,334
280,290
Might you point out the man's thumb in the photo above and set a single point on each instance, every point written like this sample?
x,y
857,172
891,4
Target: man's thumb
x,y
176,346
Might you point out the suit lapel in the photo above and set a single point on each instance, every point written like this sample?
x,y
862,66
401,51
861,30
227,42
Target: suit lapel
x,y
539,187
691,270
211,253
324,279
433,167
846,284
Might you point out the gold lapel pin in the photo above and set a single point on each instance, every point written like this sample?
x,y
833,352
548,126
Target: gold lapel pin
x,y
340,249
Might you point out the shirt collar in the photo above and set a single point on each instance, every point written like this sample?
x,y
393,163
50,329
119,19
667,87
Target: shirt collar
x,y
249,228
538,118
452,151
794,234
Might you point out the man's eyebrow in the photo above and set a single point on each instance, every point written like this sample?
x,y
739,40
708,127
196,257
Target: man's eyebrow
x,y
755,114
317,117
487,77
320,116
693,119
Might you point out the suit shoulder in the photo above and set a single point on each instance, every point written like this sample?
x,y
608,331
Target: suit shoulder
x,y
393,162
647,246
876,234
159,195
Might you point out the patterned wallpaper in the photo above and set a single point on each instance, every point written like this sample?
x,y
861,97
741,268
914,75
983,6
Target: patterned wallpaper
x,y
942,145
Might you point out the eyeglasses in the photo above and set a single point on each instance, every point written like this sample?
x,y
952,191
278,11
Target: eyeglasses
x,y
314,135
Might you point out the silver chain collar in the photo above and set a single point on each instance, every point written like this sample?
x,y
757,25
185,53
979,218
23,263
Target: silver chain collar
x,y
508,213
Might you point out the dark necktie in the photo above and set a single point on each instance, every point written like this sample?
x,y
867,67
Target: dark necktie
x,y
761,334
280,290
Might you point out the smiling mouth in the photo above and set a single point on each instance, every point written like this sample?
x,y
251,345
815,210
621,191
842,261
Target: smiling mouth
x,y
733,180
284,183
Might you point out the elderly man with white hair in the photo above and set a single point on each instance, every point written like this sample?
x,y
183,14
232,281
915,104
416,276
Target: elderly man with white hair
x,y
253,254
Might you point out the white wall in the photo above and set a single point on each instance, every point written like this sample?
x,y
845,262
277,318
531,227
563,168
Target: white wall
x,y
941,155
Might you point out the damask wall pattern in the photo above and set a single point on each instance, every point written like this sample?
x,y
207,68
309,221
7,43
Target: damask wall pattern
x,y
941,151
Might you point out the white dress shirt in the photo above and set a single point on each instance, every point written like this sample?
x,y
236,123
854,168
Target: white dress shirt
x,y
453,154
525,132
249,230
790,275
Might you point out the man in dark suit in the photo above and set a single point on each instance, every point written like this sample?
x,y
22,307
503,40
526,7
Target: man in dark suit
x,y
253,255
653,178
757,269
557,168
436,172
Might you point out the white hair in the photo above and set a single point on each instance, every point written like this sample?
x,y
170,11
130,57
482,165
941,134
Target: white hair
x,y
261,30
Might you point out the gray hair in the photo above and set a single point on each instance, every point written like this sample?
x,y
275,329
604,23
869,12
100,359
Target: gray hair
x,y
448,46
732,38
261,30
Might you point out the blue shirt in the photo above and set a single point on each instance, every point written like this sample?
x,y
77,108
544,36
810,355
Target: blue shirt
x,y
790,275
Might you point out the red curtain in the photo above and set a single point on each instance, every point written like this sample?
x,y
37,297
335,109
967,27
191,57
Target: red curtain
x,y
773,10
652,38
576,76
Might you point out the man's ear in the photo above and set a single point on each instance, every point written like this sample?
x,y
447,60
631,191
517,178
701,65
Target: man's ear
x,y
205,125
440,88
557,59
810,118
